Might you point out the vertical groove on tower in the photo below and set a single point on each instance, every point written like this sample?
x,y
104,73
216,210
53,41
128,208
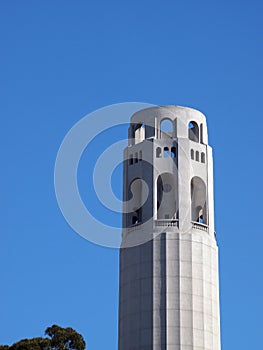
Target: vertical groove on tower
x,y
191,304
211,306
179,295
172,291
156,283
159,290
202,306
163,291
179,292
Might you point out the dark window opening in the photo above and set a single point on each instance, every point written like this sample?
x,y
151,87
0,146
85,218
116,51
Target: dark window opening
x,y
201,220
135,220
136,217
200,216
166,152
173,152
158,152
136,157
193,131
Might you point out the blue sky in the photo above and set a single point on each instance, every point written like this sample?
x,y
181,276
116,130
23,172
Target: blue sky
x,y
60,60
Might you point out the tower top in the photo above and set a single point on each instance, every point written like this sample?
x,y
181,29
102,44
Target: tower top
x,y
186,123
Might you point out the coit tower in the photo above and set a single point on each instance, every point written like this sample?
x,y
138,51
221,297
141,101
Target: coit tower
x,y
169,292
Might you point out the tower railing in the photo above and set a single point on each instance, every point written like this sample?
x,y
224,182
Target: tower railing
x,y
167,222
170,223
199,226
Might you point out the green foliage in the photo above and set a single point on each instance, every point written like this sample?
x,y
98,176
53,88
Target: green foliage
x,y
59,339
65,338
32,344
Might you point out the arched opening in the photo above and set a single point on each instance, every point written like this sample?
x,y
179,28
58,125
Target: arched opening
x,y
193,131
166,152
139,133
166,196
158,152
198,200
140,156
166,128
173,152
197,156
192,154
202,157
136,157
131,159
135,204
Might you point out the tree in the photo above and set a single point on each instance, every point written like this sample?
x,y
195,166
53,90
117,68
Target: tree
x,y
65,338
32,344
59,339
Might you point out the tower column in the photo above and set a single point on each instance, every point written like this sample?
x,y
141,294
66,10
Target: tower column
x,y
169,292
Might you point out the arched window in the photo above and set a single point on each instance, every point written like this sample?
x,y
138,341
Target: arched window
x,y
197,156
139,133
192,154
193,131
140,156
202,157
136,157
166,196
131,159
158,152
173,152
166,128
135,202
166,152
198,200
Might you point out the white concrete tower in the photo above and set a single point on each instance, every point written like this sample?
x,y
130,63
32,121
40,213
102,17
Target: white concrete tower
x,y
169,293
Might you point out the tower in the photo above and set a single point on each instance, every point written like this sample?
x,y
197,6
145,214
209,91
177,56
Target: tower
x,y
169,293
